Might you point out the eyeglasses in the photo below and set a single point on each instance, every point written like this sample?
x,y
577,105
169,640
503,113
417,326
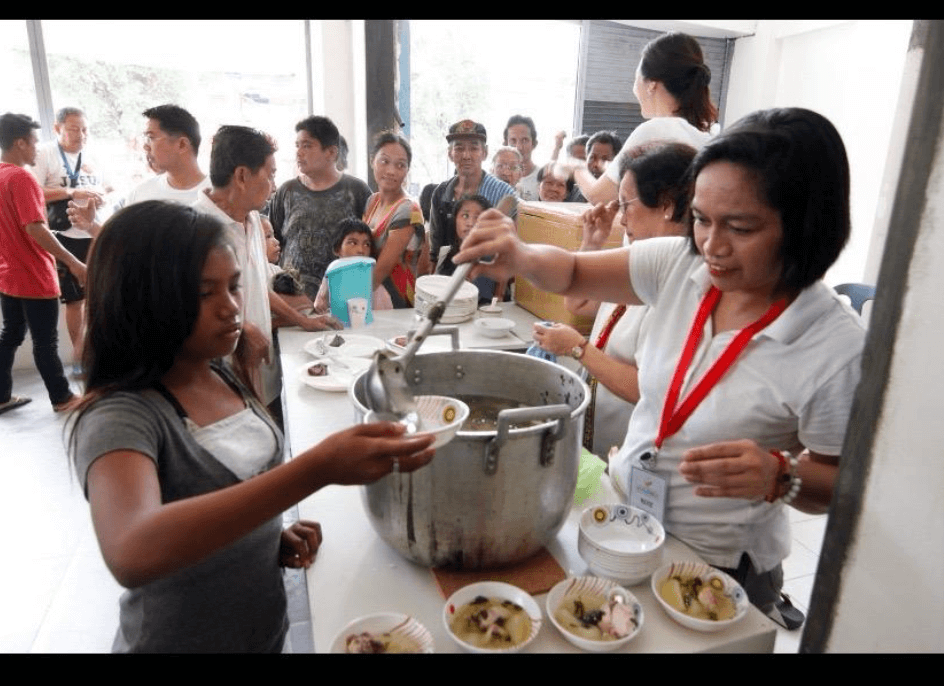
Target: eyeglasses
x,y
508,167
624,205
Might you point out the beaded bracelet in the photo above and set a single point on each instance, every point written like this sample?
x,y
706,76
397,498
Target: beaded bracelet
x,y
785,476
795,482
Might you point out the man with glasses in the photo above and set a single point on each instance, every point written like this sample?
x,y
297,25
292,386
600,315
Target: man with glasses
x,y
467,150
171,143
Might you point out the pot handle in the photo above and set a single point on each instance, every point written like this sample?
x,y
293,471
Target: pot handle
x,y
522,415
452,331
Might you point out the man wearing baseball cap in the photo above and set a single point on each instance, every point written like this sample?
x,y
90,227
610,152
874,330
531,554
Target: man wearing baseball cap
x,y
467,151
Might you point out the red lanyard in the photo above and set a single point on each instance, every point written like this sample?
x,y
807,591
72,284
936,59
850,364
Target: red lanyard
x,y
672,417
608,327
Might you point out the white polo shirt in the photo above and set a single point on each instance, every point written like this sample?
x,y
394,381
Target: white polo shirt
x,y
791,387
157,188
675,129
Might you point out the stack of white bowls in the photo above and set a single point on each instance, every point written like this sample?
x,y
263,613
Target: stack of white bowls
x,y
621,542
431,288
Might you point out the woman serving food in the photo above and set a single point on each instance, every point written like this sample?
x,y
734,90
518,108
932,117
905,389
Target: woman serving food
x,y
750,364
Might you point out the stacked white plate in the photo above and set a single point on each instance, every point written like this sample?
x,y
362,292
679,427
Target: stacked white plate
x,y
431,288
621,542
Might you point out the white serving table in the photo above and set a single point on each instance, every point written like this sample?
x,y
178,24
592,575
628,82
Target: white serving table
x,y
357,573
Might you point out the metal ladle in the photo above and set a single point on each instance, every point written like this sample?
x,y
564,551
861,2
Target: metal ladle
x,y
386,391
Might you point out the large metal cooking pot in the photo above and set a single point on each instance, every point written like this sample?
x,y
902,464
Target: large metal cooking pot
x,y
493,497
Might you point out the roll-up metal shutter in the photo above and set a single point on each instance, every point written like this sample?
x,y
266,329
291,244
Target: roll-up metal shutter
x,y
611,53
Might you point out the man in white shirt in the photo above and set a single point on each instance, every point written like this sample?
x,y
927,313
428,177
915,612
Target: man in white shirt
x,y
521,133
68,171
242,176
171,143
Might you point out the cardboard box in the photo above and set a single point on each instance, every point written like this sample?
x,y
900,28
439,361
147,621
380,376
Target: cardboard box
x,y
560,224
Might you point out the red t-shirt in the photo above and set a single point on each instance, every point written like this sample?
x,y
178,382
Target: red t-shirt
x,y
26,269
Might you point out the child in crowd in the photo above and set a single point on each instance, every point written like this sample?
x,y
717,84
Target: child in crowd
x,y
182,466
467,211
283,281
354,240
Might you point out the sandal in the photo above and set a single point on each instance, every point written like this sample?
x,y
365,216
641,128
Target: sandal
x,y
786,615
14,401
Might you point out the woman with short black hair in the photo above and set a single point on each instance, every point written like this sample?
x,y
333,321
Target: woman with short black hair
x,y
750,363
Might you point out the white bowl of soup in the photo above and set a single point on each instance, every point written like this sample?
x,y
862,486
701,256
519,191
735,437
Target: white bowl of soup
x,y
492,617
699,596
594,614
383,632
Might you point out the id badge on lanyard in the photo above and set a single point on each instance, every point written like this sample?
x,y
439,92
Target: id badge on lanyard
x,y
647,490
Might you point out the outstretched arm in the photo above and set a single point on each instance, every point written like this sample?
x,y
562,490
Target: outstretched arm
x,y
601,275
292,317
143,539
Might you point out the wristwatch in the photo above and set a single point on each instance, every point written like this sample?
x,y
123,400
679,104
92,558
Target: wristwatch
x,y
578,350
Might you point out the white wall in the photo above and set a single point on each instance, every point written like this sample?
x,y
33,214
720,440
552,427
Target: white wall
x,y
891,598
848,71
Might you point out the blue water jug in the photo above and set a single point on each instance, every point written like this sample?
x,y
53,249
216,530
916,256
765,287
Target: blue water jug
x,y
351,277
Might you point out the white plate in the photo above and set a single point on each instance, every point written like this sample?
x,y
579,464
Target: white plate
x,y
433,344
339,378
355,345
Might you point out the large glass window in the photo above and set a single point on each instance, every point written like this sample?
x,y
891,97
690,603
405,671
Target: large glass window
x,y
488,71
222,71
19,93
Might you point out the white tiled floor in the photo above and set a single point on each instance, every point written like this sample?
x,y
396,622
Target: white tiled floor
x,y
56,595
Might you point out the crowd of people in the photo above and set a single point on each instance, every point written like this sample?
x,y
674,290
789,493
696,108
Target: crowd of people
x,y
722,369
